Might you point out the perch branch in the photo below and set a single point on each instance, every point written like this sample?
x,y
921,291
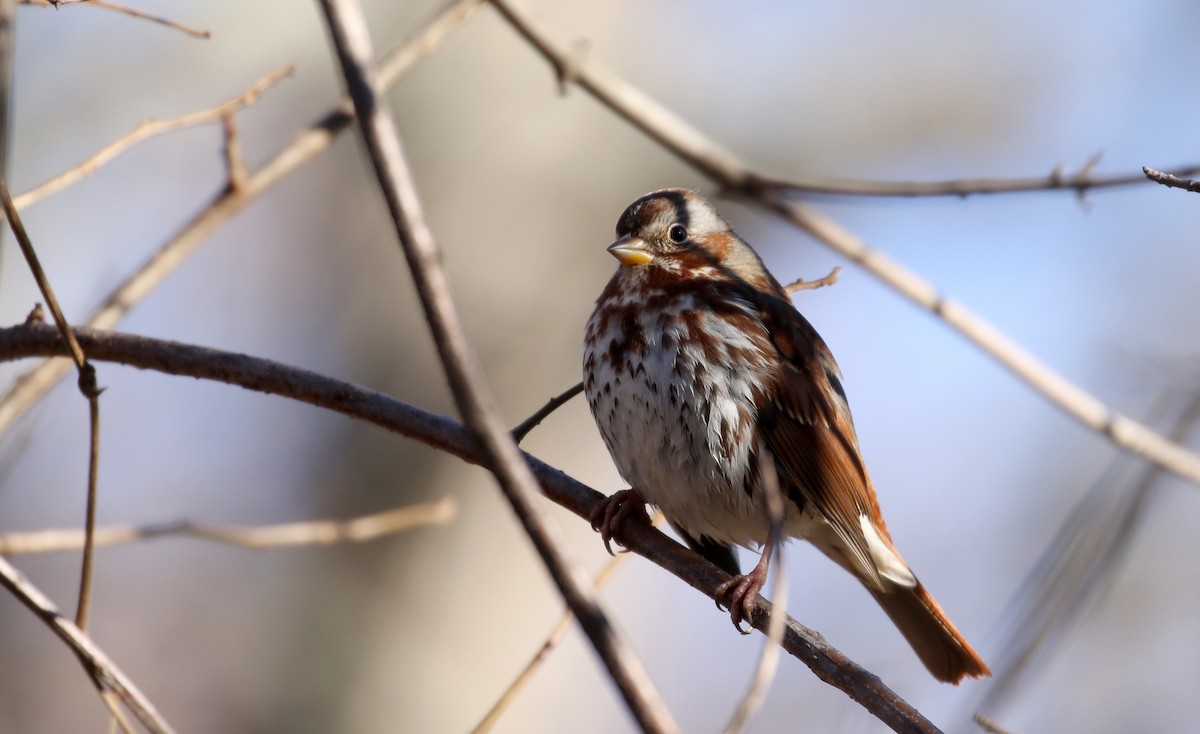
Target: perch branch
x,y
351,39
830,665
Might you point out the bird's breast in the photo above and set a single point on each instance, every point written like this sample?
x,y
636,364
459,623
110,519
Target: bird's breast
x,y
673,384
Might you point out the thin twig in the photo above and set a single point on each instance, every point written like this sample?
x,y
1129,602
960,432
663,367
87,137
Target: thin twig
x,y
351,39
1172,180
520,432
314,532
307,145
87,386
8,43
39,275
109,5
768,659
89,522
990,726
149,129
102,670
713,160
235,162
1080,182
830,665
113,704
809,285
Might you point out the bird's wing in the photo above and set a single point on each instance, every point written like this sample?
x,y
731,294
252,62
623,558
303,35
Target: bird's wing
x,y
805,422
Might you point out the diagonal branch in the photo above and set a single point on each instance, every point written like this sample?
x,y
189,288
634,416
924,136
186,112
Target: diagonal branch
x,y
107,676
351,39
87,386
830,665
722,166
522,430
149,129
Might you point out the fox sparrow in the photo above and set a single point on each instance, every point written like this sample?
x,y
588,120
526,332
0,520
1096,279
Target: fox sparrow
x,y
697,368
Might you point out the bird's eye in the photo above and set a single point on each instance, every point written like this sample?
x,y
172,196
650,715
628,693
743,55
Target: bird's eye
x,y
678,234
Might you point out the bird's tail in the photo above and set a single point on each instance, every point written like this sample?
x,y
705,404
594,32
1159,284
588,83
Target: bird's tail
x,y
933,637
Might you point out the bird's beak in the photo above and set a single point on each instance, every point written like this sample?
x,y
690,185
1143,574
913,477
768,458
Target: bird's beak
x,y
631,251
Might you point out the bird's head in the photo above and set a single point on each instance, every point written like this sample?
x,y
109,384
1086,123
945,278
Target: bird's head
x,y
678,231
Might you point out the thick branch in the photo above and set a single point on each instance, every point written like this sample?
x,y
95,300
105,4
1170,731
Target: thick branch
x,y
352,41
831,666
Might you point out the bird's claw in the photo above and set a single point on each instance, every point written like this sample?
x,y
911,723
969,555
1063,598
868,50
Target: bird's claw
x,y
612,512
736,596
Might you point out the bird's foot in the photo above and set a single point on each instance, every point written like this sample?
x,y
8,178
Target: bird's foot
x,y
737,596
613,511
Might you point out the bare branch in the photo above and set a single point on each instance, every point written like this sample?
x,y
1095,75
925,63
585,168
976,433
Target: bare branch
x,y
235,162
989,726
87,386
109,5
830,665
1173,180
307,145
113,704
721,165
1080,182
809,285
520,432
39,276
8,43
351,39
103,671
149,129
315,532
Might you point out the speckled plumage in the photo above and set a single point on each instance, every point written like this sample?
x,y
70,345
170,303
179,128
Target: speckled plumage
x,y
697,368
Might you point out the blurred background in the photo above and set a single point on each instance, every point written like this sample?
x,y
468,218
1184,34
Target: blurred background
x,y
420,632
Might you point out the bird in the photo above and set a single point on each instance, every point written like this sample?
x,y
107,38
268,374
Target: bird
x,y
698,369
